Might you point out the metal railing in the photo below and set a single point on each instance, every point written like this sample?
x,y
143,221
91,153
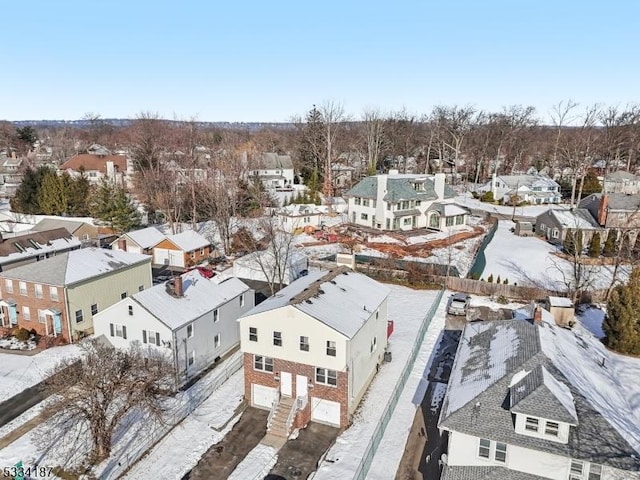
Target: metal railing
x,y
274,407
292,414
378,433
117,465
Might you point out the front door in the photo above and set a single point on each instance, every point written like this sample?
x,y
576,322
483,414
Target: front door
x,y
285,384
301,386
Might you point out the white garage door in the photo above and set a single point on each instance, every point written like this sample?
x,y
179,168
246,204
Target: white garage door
x,y
176,258
325,411
263,396
161,256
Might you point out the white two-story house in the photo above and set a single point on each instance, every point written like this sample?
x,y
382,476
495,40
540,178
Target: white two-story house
x,y
274,170
311,350
405,202
192,318
536,189
533,401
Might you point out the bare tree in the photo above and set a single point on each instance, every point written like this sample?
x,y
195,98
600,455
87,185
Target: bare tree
x,y
94,394
374,137
332,116
561,115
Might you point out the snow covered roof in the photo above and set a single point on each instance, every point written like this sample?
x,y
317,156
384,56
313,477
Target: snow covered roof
x,y
448,209
147,237
299,210
52,246
75,266
516,181
340,298
468,472
621,175
560,302
52,223
188,240
200,296
399,187
573,367
580,218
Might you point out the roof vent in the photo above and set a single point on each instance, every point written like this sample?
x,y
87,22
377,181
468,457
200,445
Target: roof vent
x,y
320,291
309,301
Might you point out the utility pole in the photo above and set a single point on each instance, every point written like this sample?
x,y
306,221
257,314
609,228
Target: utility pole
x,y
515,202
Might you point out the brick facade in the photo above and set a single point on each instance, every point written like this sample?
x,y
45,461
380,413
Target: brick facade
x,y
34,304
339,393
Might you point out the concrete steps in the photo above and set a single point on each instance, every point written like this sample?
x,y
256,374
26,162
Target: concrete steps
x,y
278,425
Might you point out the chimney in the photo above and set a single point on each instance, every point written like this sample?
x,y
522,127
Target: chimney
x,y
602,210
177,286
438,185
537,315
122,244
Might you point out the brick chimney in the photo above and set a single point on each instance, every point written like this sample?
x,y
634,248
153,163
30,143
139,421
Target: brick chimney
x,y
177,286
537,315
602,210
122,244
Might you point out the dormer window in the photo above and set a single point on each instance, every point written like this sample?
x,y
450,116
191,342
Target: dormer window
x,y
531,424
551,428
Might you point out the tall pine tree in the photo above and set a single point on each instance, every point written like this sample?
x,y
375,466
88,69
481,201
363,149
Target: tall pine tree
x,y
622,323
609,249
594,246
52,196
573,243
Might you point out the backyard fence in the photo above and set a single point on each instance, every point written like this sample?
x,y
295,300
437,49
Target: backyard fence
x,y
193,398
480,262
378,433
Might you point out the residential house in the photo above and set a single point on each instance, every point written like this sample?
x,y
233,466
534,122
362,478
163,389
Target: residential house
x,y
193,318
297,217
139,241
536,401
342,176
35,246
182,250
614,210
11,174
86,232
98,164
59,296
621,182
535,189
404,202
311,350
554,224
274,170
281,264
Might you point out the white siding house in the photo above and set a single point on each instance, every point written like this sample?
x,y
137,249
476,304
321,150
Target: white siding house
x,y
299,216
193,318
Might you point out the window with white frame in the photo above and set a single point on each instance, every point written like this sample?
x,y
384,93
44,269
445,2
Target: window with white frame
x,y
487,449
407,220
23,288
484,448
193,254
356,201
123,295
253,334
140,288
531,424
459,219
277,339
263,363
576,471
331,348
26,313
38,289
42,317
365,202
216,316
94,309
449,221
53,293
149,336
595,472
242,300
374,344
551,428
190,330
192,357
216,341
8,285
327,377
306,220
79,316
501,452
304,344
555,233
117,330
364,216
202,252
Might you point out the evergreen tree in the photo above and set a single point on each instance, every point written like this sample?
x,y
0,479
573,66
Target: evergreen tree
x,y
594,246
622,323
123,215
490,279
591,184
25,199
609,249
314,180
100,206
572,244
78,196
498,280
52,196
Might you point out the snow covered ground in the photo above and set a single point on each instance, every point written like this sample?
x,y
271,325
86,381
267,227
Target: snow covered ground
x,y
181,449
18,372
256,464
530,261
525,211
592,319
407,308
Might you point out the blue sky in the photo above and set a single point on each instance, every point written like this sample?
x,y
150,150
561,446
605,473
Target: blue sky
x,y
267,61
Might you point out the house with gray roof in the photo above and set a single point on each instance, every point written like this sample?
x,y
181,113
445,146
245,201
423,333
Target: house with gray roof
x,y
311,350
536,189
613,210
58,297
621,182
404,202
193,318
554,225
274,170
530,400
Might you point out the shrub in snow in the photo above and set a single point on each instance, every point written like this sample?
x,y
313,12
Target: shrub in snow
x,y
487,197
506,281
22,334
622,323
490,279
594,246
498,279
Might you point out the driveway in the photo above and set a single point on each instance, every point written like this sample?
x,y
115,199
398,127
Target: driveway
x,y
299,457
222,459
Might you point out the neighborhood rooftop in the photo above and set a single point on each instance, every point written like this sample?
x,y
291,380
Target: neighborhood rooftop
x,y
398,188
188,240
146,237
339,298
580,218
75,266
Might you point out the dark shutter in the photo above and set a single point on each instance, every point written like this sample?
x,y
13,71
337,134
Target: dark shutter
x,y
158,338
124,332
111,329
144,336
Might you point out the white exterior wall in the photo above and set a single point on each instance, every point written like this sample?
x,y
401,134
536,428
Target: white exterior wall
x,y
293,324
363,361
356,211
290,223
563,429
253,271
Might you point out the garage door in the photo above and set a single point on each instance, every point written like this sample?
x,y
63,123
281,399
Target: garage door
x,y
176,258
161,256
325,411
263,396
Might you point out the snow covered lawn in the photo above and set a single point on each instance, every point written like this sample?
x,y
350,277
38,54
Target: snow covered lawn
x,y
407,308
592,319
525,211
256,464
530,261
18,372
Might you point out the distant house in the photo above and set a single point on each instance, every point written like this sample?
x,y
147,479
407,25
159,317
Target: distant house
x,y
615,210
404,202
182,250
58,296
342,176
311,350
98,163
192,317
139,241
35,246
84,231
621,182
11,174
535,189
274,170
535,401
554,224
299,216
